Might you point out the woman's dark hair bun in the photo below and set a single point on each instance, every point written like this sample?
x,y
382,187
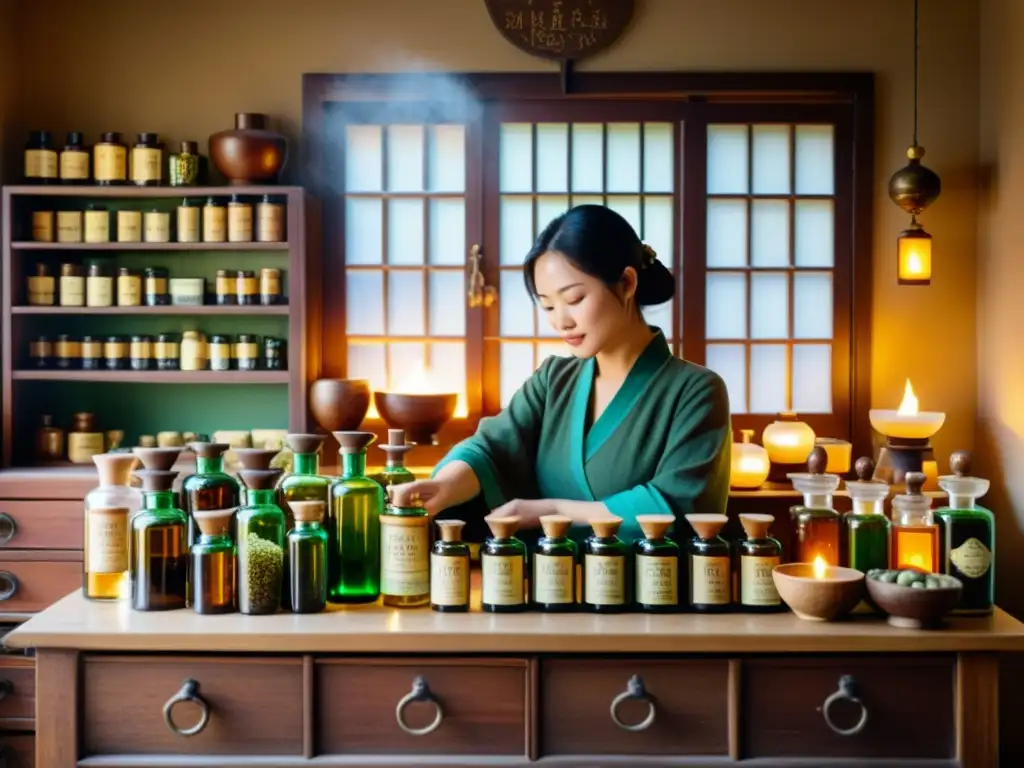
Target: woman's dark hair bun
x,y
601,243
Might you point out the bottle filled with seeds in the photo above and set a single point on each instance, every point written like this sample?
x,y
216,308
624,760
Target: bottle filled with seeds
x,y
261,541
214,562
307,558
503,567
159,550
449,569
183,166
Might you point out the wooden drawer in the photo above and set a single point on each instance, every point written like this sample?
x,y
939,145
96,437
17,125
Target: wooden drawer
x,y
32,581
689,700
908,701
17,694
41,525
18,750
254,705
482,703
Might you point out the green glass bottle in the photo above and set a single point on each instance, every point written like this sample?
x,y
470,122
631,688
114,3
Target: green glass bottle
x,y
303,483
967,544
607,575
307,559
553,584
449,569
395,471
710,564
158,560
353,525
867,527
213,563
259,531
210,487
657,565
503,567
759,553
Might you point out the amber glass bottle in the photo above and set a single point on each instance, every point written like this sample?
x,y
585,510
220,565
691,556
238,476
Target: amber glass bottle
x,y
210,487
449,569
213,562
503,567
915,534
657,565
159,550
307,558
817,522
553,584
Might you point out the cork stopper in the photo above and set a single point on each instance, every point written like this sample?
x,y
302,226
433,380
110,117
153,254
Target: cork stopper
x,y
114,468
606,527
214,522
756,525
158,458
708,526
259,479
502,527
307,511
354,442
817,460
865,468
451,530
256,458
396,446
655,526
209,450
914,482
555,526
304,443
960,463
156,479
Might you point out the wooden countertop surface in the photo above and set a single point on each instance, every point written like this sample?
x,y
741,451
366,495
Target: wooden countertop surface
x,y
73,622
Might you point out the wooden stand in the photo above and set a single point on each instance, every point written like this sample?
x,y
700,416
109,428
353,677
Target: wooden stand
x,y
899,456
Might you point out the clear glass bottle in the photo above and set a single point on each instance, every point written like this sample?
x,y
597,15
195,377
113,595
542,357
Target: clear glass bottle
x,y
503,567
709,571
867,527
405,555
915,535
607,577
214,562
108,509
759,553
967,543
353,525
159,546
657,565
449,569
553,583
260,534
395,471
307,558
210,487
817,522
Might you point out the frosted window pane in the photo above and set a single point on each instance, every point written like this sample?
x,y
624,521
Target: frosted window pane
x,y
815,163
516,367
727,233
405,304
587,157
364,224
658,227
629,209
587,200
771,160
623,162
812,306
730,362
660,315
815,233
659,162
515,306
448,231
726,316
769,240
448,371
769,306
547,349
515,158
446,166
549,208
516,227
405,231
552,157
366,361
408,362
364,304
812,378
727,160
767,378
447,303
405,158
363,161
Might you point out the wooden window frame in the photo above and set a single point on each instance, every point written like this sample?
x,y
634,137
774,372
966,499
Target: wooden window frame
x,y
699,99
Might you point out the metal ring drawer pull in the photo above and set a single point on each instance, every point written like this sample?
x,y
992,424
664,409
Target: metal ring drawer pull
x,y
420,692
847,691
8,528
189,692
634,690
6,688
8,585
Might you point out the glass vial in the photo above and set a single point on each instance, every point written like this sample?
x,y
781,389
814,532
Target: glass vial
x,y
449,569
239,221
710,574
40,158
215,222
188,222
269,220
307,558
657,565
147,162
817,522
110,160
304,483
915,535
607,586
261,542
405,555
74,160
214,563
758,555
503,567
159,550
553,582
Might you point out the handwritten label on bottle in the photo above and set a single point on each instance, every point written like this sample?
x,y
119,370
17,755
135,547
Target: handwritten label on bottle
x,y
757,587
40,164
404,568
710,581
503,579
657,580
553,579
110,162
604,579
107,540
449,580
972,558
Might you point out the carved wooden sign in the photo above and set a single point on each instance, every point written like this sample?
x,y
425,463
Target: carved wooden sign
x,y
563,30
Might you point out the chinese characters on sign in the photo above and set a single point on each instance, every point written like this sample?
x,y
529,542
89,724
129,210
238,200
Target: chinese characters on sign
x,y
564,30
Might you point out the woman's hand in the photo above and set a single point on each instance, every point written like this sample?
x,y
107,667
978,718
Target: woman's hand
x,y
432,493
529,511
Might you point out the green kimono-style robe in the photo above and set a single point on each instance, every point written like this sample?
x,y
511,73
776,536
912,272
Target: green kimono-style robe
x,y
662,445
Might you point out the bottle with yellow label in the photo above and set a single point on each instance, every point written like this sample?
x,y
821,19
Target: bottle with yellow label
x,y
553,582
710,574
503,566
758,555
40,158
449,569
607,582
657,566
405,555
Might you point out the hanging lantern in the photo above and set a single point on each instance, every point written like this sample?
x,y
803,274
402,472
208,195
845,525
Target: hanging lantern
x,y
914,255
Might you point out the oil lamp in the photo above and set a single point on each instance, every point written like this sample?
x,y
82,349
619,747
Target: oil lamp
x,y
750,464
788,443
908,432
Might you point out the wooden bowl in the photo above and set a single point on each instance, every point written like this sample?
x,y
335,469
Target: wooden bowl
x,y
913,607
339,405
814,599
421,416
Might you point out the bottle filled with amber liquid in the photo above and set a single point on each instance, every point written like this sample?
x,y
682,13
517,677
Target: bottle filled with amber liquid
x,y
405,555
553,582
395,471
159,548
759,553
449,569
607,572
709,564
866,543
817,522
210,487
657,565
214,562
108,509
503,567
307,559
915,534
259,531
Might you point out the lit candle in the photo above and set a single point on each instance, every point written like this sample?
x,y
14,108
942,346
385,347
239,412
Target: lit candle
x,y
907,421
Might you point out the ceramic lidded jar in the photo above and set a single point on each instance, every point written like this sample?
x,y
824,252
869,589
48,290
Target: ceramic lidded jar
x,y
249,153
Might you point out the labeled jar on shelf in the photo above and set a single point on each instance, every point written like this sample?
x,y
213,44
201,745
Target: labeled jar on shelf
x,y
156,226
129,288
269,220
226,289
147,164
115,352
49,440
40,158
188,291
42,287
74,160
157,293
40,352
43,226
92,353
247,287
72,286
270,287
183,165
110,160
194,353
99,286
69,352
188,222
247,352
69,226
220,353
84,439
275,354
140,353
129,226
239,220
215,221
97,224
166,351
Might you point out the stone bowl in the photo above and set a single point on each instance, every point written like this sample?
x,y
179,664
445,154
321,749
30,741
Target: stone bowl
x,y
914,607
339,405
825,599
421,416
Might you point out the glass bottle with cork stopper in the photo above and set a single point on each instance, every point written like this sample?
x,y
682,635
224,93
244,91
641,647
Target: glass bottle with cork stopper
x,y
503,567
758,554
967,544
304,482
353,525
657,565
307,558
915,534
867,527
817,522
159,547
210,487
259,531
395,471
553,581
405,555
709,564
449,569
214,563
108,510
607,586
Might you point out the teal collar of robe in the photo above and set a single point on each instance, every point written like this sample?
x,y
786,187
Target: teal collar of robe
x,y
583,443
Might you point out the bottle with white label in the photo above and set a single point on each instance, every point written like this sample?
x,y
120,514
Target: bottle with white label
x,y
607,582
405,555
553,582
758,555
657,566
503,566
108,508
449,569
709,571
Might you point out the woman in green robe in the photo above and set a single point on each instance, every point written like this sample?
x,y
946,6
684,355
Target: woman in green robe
x,y
622,427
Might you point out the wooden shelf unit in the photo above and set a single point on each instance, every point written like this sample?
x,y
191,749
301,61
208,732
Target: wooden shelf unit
x,y
205,309
31,245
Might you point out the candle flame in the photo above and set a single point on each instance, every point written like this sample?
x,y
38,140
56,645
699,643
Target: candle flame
x,y
820,567
909,404
914,265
